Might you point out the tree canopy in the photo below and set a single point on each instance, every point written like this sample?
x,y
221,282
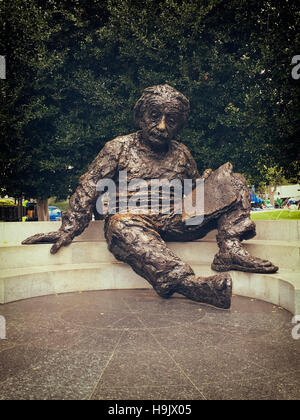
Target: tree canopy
x,y
76,68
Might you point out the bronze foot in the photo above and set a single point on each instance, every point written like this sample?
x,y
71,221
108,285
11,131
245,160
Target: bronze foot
x,y
215,290
242,262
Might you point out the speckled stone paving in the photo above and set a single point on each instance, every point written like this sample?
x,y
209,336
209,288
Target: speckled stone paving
x,y
131,344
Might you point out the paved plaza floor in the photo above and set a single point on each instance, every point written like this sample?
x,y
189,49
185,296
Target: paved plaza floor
x,y
131,344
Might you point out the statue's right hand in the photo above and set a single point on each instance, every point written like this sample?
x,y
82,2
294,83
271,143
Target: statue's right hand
x,y
59,238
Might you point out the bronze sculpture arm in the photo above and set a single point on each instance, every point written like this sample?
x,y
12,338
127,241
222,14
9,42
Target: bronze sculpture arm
x,y
81,204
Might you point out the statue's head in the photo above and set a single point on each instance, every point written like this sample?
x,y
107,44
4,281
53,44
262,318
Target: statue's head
x,y
160,113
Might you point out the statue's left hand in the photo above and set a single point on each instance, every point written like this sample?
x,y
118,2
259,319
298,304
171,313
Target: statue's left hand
x,y
59,238
206,173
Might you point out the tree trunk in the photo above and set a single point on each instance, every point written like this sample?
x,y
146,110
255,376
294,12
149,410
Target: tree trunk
x,y
271,192
42,210
20,209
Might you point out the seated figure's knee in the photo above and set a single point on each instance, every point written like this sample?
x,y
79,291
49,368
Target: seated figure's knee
x,y
238,226
242,191
117,223
115,230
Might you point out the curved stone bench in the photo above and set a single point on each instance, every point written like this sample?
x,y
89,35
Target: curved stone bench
x,y
30,270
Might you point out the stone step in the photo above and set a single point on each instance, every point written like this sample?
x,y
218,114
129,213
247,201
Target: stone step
x,y
16,232
282,288
23,283
14,256
282,253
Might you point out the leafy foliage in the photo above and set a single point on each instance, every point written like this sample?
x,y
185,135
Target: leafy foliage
x,y
76,68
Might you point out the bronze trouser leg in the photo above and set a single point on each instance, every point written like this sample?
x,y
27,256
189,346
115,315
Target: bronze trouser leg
x,y
237,223
134,239
233,227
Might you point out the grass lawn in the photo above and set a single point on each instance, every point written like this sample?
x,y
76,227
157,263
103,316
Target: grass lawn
x,y
276,215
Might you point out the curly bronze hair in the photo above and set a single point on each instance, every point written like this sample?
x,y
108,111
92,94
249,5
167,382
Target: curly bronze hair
x,y
163,93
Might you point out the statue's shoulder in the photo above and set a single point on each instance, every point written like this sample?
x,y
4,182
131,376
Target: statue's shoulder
x,y
126,139
117,144
110,154
181,148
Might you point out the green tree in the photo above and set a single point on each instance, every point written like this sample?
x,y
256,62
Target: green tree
x,y
85,63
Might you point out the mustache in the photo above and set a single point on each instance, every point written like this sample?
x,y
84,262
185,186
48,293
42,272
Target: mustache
x,y
162,135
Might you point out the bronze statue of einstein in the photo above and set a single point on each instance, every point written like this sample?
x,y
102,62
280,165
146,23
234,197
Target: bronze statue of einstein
x,y
138,238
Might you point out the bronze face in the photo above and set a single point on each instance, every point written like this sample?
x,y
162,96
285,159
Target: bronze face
x,y
160,124
161,113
